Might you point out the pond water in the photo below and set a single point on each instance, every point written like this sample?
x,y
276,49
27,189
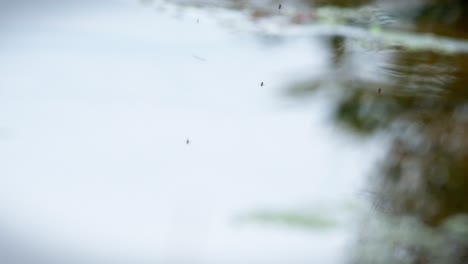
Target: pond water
x,y
231,132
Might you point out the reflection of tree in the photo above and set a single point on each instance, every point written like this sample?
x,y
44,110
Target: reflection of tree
x,y
423,106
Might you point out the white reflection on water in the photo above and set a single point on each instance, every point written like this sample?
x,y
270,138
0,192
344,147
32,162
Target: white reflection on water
x,y
96,105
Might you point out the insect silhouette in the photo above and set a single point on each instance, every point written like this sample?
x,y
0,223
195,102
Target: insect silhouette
x,y
261,84
187,142
380,90
279,7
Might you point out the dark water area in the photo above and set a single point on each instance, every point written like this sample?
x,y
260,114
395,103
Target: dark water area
x,y
422,108
421,104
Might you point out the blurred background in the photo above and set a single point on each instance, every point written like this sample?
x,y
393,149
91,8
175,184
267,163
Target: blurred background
x,y
224,131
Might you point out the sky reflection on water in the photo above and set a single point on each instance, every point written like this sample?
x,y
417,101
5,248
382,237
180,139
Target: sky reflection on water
x,y
96,105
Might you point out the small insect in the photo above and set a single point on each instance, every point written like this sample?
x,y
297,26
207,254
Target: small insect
x,y
261,84
279,7
198,20
187,142
380,90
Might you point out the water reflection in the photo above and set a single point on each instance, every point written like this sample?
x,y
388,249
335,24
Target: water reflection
x,y
423,101
134,160
418,99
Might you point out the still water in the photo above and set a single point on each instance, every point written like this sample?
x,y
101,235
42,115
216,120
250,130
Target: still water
x,y
230,132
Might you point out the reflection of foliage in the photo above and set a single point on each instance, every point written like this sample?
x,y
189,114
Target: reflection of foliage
x,y
351,19
418,85
423,106
307,220
365,113
425,171
405,240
